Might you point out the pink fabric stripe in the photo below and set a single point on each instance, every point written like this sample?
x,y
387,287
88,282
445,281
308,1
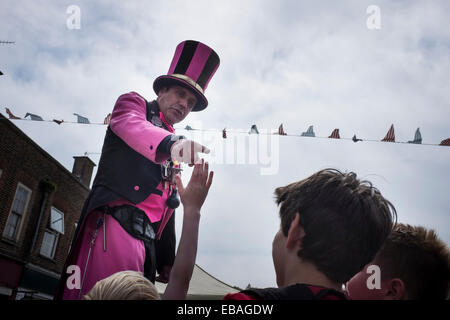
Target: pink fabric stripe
x,y
176,57
198,62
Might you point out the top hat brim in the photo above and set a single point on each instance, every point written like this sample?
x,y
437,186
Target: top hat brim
x,y
167,80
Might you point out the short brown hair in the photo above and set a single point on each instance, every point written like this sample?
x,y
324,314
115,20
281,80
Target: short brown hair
x,y
124,285
345,220
419,258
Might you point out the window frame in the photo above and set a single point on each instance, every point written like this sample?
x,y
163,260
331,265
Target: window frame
x,y
19,226
50,220
55,243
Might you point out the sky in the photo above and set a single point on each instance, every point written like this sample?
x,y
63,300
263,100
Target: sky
x,y
330,64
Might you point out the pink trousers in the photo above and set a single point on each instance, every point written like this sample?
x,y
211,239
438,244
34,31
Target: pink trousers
x,y
123,252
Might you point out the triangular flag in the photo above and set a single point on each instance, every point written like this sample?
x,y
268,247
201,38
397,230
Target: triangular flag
x,y
254,129
355,139
309,132
107,119
34,117
335,134
281,130
81,119
390,136
58,121
417,137
11,116
445,142
224,133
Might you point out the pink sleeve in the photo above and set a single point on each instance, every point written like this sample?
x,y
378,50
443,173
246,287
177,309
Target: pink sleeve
x,y
129,122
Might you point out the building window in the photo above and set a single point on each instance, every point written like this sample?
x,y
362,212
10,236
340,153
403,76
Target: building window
x,y
19,207
57,220
51,235
49,243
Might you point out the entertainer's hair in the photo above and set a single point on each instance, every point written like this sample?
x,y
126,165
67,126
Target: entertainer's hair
x,y
419,258
124,285
345,221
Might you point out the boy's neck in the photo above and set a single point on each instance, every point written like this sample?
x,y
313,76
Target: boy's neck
x,y
307,273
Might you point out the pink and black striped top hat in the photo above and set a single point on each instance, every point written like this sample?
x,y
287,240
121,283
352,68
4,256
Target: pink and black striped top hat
x,y
193,65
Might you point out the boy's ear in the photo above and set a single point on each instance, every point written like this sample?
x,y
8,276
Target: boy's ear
x,y
395,289
295,234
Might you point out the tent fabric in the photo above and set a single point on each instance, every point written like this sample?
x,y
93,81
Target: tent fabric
x,y
203,286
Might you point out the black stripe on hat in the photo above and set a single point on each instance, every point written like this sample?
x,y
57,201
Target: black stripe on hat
x,y
186,56
210,65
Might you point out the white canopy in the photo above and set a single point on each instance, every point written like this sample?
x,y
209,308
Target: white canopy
x,y
203,286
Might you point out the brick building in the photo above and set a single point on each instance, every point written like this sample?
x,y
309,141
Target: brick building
x,y
40,203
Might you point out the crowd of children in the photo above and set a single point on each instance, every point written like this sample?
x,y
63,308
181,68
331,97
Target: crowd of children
x,y
338,239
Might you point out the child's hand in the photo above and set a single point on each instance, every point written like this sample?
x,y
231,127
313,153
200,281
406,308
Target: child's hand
x,y
194,195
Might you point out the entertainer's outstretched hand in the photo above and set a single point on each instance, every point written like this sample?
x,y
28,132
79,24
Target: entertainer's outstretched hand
x,y
187,151
194,195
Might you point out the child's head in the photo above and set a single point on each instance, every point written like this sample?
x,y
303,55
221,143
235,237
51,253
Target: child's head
x,y
414,264
124,285
345,221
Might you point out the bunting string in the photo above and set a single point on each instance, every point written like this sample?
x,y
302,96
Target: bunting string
x,y
390,135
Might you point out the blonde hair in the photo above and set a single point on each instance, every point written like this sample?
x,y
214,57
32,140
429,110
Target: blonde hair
x,y
124,285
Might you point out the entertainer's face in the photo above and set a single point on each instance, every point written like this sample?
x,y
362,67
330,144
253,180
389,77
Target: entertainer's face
x,y
175,103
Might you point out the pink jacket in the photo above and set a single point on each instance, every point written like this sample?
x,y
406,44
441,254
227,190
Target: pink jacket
x,y
129,122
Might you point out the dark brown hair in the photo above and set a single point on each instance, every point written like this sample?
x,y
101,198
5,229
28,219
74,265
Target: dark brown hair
x,y
419,258
345,221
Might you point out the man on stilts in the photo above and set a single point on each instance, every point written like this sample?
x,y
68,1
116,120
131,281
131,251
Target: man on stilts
x,y
127,222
